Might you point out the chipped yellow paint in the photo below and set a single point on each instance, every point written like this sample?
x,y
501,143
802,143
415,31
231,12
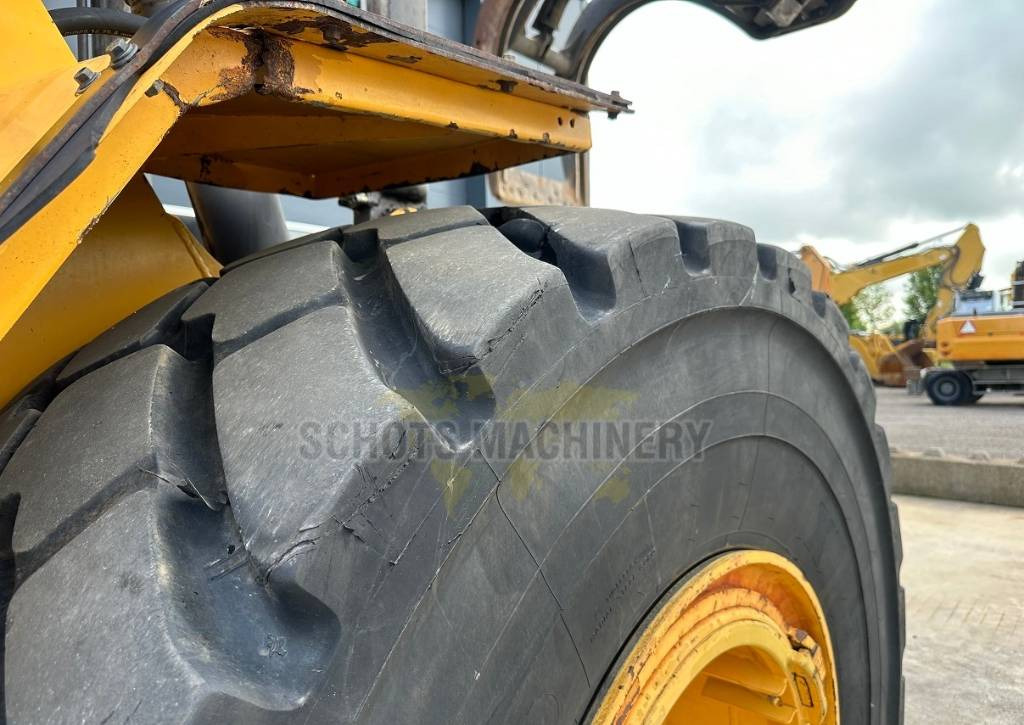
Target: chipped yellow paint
x,y
742,640
365,85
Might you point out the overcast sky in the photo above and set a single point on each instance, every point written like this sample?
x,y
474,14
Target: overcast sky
x,y
901,120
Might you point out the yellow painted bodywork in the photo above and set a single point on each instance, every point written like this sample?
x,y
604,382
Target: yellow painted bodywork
x,y
996,338
871,347
886,363
744,640
33,95
265,98
135,234
326,123
842,284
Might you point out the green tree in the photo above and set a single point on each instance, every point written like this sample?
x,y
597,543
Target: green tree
x,y
921,291
893,329
874,307
849,310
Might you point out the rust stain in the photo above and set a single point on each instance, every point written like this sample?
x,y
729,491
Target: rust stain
x,y
503,86
269,68
293,27
205,161
173,94
238,80
278,73
336,33
278,65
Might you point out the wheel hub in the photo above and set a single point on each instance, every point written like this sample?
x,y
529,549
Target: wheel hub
x,y
744,640
947,388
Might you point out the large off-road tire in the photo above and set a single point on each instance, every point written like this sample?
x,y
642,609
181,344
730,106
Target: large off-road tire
x,y
281,496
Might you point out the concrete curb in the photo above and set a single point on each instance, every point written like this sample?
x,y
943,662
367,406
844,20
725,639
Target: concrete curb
x,y
938,475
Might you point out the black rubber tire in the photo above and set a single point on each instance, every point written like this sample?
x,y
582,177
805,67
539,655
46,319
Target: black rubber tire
x,y
950,387
384,557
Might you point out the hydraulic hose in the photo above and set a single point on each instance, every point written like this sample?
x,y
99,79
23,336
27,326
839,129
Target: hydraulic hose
x,y
96,21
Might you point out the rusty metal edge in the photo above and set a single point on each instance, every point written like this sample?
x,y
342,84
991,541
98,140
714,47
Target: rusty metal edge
x,y
71,150
451,50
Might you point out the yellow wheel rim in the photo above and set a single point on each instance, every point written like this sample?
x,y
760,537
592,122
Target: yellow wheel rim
x,y
742,641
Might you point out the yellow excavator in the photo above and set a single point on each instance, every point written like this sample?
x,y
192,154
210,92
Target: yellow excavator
x,y
473,464
889,364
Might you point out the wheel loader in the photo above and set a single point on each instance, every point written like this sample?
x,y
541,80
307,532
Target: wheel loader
x,y
498,464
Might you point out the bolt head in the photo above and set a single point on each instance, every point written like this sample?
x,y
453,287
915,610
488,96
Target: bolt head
x,y
121,51
85,77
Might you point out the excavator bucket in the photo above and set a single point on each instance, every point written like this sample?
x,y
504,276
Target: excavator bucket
x,y
904,364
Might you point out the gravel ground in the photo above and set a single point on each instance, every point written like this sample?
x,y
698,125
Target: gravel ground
x,y
965,611
993,426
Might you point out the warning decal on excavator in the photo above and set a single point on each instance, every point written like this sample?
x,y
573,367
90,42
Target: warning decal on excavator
x,y
967,328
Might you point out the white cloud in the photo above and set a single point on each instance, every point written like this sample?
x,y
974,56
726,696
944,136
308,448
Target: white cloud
x,y
896,122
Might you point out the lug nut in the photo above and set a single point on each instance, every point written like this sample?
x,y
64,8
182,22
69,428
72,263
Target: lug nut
x,y
121,51
85,77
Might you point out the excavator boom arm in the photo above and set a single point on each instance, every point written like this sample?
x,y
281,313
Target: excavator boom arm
x,y
961,262
843,285
956,276
847,284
